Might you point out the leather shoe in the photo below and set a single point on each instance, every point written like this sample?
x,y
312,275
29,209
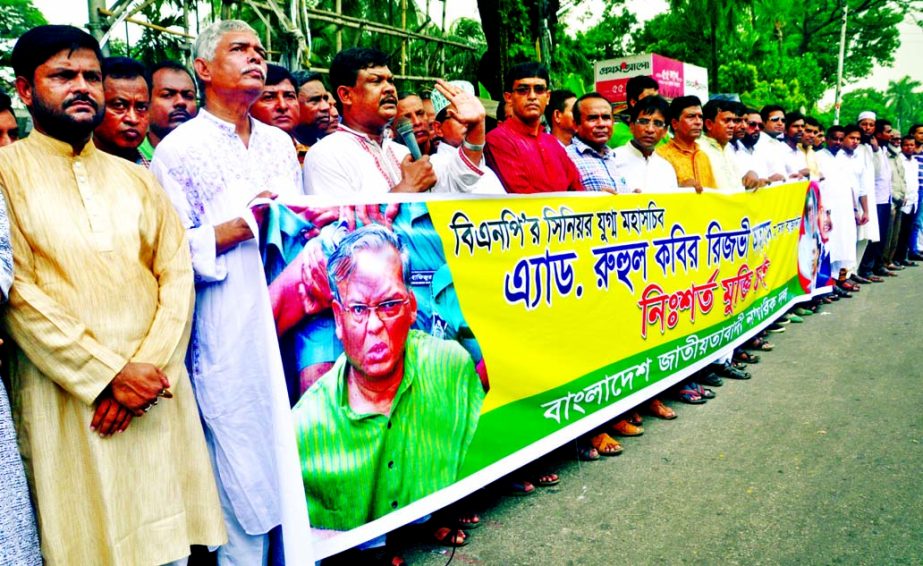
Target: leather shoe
x,y
856,278
908,263
913,256
625,428
841,292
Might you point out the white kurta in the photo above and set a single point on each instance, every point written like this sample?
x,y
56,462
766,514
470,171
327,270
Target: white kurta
x,y
447,157
770,151
234,355
349,162
862,166
723,165
836,193
652,174
795,159
911,177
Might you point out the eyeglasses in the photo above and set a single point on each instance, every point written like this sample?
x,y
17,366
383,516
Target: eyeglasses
x,y
647,122
386,310
755,125
523,90
777,118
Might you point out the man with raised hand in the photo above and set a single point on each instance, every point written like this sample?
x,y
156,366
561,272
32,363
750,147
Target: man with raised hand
x,y
213,167
99,312
361,158
453,134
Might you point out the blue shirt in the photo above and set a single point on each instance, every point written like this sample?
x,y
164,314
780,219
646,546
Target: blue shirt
x,y
597,168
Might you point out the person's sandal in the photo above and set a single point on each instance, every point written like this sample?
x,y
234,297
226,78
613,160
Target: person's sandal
x,y
447,536
689,395
605,445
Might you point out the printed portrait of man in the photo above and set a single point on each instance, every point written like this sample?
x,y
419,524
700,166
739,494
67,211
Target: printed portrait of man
x,y
391,422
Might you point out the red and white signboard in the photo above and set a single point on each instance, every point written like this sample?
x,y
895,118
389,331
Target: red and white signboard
x,y
674,77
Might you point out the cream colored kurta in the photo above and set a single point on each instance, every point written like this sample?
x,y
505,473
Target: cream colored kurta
x,y
102,277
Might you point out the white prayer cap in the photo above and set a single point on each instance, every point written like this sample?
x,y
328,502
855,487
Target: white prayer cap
x,y
440,102
867,115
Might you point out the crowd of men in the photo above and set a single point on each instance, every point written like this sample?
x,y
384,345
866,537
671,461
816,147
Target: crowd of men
x,y
146,377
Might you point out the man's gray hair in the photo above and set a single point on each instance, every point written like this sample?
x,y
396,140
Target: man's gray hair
x,y
207,41
373,237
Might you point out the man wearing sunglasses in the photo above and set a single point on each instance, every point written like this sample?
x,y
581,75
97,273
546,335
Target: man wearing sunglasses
x,y
773,121
753,151
524,156
397,412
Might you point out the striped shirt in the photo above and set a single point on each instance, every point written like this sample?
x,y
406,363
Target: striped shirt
x,y
919,157
359,467
597,168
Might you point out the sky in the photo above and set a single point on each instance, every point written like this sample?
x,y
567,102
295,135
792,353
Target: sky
x,y
907,58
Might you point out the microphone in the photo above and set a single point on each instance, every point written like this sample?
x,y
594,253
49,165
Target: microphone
x,y
405,129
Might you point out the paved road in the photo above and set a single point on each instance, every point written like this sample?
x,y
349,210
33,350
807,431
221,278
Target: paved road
x,y
816,460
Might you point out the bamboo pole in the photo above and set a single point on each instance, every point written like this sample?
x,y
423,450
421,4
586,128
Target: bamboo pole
x,y
356,23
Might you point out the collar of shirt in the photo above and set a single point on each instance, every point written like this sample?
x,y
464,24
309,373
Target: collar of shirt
x,y
62,148
712,143
521,128
584,148
690,151
225,126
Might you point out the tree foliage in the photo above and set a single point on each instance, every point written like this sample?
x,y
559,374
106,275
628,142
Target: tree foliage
x,y
514,34
16,18
901,103
793,44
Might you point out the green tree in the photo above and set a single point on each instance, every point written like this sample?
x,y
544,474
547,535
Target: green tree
x,y
904,103
790,42
155,46
574,55
855,102
16,18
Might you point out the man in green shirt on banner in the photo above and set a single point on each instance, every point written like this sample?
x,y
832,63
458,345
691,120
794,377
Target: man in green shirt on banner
x,y
392,421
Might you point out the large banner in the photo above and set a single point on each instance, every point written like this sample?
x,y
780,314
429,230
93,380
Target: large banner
x,y
520,323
